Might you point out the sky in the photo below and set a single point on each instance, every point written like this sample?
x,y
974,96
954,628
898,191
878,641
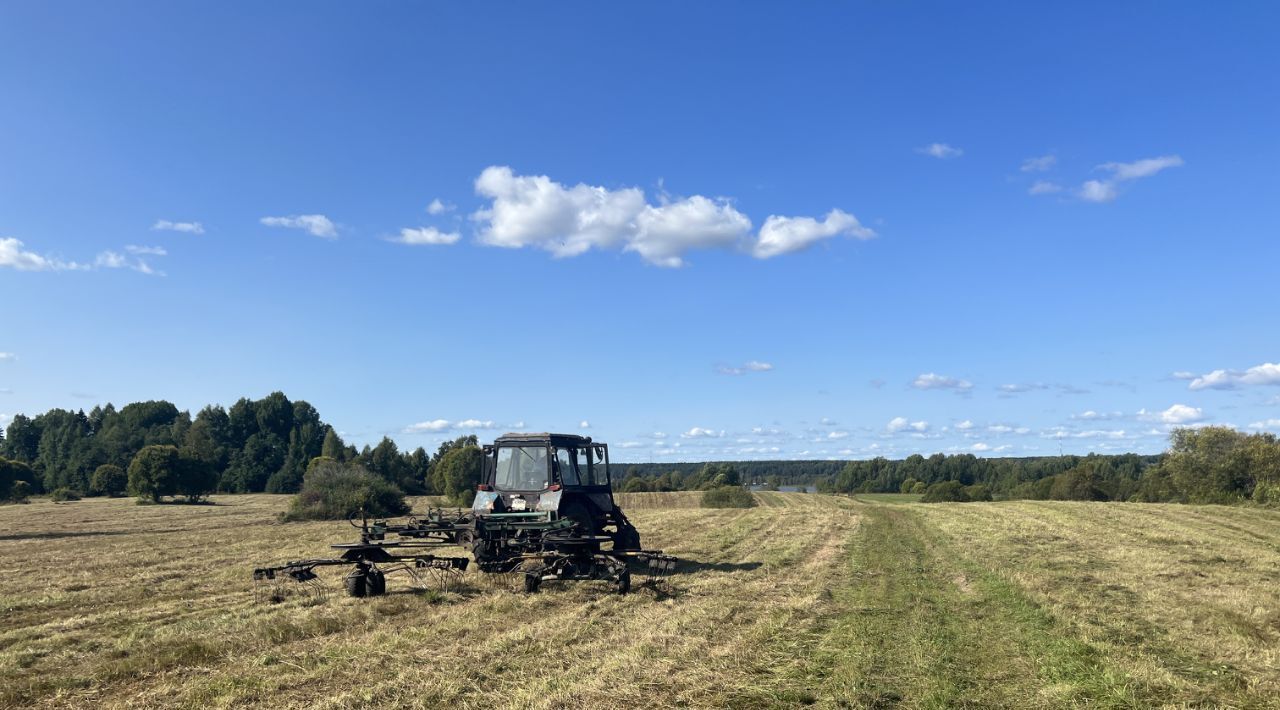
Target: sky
x,y
695,231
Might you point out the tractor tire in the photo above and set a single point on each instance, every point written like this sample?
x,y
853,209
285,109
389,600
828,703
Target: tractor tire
x,y
623,584
356,584
627,537
531,583
375,584
579,513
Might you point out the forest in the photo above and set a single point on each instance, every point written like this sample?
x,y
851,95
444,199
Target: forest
x,y
153,449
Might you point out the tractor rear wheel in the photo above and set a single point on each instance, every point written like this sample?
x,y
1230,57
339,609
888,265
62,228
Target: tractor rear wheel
x,y
355,583
531,582
627,537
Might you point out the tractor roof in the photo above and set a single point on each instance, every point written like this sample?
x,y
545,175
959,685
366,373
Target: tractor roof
x,y
544,438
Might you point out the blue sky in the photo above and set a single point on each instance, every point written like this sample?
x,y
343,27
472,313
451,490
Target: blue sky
x,y
696,231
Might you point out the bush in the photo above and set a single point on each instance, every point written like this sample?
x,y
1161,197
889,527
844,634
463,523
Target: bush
x,y
334,491
728,497
977,492
459,472
154,473
945,492
919,488
19,492
64,495
636,484
108,480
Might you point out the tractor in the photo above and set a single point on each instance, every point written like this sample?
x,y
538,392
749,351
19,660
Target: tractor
x,y
544,510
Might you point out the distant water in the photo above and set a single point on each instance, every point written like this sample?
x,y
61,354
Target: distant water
x,y
789,489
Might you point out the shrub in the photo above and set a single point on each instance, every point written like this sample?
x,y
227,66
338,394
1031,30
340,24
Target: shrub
x,y
728,497
977,492
636,484
945,492
919,488
64,495
334,491
154,472
108,480
19,492
459,472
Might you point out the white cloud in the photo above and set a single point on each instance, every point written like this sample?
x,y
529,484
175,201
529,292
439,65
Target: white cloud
x,y
965,425
1175,415
584,424
437,207
187,227
426,235
1106,190
317,225
1044,187
630,445
8,357
14,256
111,260
1268,373
1039,165
934,381
782,235
749,366
701,433
837,435
942,151
535,211
437,425
898,424
827,421
658,435
1266,424
433,425
145,250
1090,415
1183,375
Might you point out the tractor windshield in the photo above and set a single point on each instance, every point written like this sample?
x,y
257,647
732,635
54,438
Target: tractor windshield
x,y
521,468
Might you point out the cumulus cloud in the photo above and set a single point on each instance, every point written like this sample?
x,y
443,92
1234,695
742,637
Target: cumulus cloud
x,y
900,424
1107,189
1044,187
747,367
934,381
837,435
1266,424
164,225
941,151
701,433
535,211
145,250
1175,415
114,260
438,207
426,235
1039,165
1268,373
964,425
317,225
438,425
1090,415
782,235
584,424
15,256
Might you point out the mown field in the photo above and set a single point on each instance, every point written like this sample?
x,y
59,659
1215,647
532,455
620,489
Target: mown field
x,y
805,600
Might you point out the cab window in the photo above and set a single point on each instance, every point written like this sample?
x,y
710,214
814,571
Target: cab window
x,y
568,467
521,468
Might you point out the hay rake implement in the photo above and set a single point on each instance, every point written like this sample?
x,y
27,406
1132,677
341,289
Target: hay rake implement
x,y
543,512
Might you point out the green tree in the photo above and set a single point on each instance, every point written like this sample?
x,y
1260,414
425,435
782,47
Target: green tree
x,y
332,446
636,484
335,491
460,472
154,472
109,480
945,492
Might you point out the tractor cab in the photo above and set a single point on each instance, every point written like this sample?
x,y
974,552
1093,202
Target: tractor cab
x,y
564,475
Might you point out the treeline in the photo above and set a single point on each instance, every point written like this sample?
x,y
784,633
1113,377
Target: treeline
x,y
691,476
1093,477
255,446
1205,465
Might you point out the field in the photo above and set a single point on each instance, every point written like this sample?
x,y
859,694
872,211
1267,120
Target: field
x,y
807,599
